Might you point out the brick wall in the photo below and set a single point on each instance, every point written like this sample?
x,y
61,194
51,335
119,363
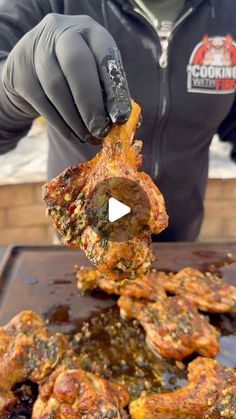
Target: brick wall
x,y
22,215
23,220
220,211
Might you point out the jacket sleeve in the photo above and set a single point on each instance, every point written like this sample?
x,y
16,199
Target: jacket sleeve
x,y
17,17
227,129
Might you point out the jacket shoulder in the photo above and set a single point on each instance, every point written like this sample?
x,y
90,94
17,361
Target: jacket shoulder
x,y
91,8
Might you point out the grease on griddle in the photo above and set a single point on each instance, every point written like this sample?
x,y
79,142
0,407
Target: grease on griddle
x,y
116,349
216,265
28,279
58,314
59,282
58,319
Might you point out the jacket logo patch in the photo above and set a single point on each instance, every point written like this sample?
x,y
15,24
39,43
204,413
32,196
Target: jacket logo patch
x,y
212,66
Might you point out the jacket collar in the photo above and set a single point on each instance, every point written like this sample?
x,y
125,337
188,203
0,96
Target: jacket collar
x,y
127,4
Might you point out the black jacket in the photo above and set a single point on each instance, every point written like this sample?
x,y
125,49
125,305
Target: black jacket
x,y
183,104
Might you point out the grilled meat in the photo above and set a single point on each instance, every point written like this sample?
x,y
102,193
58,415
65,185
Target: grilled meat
x,y
147,286
207,291
210,394
7,401
28,351
75,394
173,326
68,197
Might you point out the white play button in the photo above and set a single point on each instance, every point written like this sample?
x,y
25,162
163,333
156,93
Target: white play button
x,y
117,210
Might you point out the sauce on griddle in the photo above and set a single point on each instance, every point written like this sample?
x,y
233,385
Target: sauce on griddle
x,y
116,349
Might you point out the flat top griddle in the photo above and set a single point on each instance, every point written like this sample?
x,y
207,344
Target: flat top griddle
x,y
41,278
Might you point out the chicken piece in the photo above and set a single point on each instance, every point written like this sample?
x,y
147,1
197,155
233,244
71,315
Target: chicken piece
x,y
210,394
74,394
28,351
89,279
7,401
68,198
173,326
147,286
207,291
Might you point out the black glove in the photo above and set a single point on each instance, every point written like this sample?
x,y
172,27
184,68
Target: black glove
x,y
68,69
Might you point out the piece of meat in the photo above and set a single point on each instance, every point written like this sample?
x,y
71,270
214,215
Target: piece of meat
x,y
207,291
68,197
89,279
7,401
147,286
173,326
74,394
210,394
28,351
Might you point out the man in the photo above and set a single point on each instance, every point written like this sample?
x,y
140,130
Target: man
x,y
59,58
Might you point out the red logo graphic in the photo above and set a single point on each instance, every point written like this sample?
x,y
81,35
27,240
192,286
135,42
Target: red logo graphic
x,y
212,66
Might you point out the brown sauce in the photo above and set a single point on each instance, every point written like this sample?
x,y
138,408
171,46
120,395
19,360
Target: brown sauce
x,y
116,349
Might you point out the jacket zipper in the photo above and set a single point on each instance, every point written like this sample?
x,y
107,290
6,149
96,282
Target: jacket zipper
x,y
163,61
165,41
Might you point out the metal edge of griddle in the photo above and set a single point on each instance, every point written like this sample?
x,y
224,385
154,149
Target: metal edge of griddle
x,y
5,264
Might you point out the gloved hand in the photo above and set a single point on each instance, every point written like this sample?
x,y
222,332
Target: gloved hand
x,y
68,69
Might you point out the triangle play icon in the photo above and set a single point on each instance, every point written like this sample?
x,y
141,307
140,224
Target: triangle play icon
x,y
117,210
